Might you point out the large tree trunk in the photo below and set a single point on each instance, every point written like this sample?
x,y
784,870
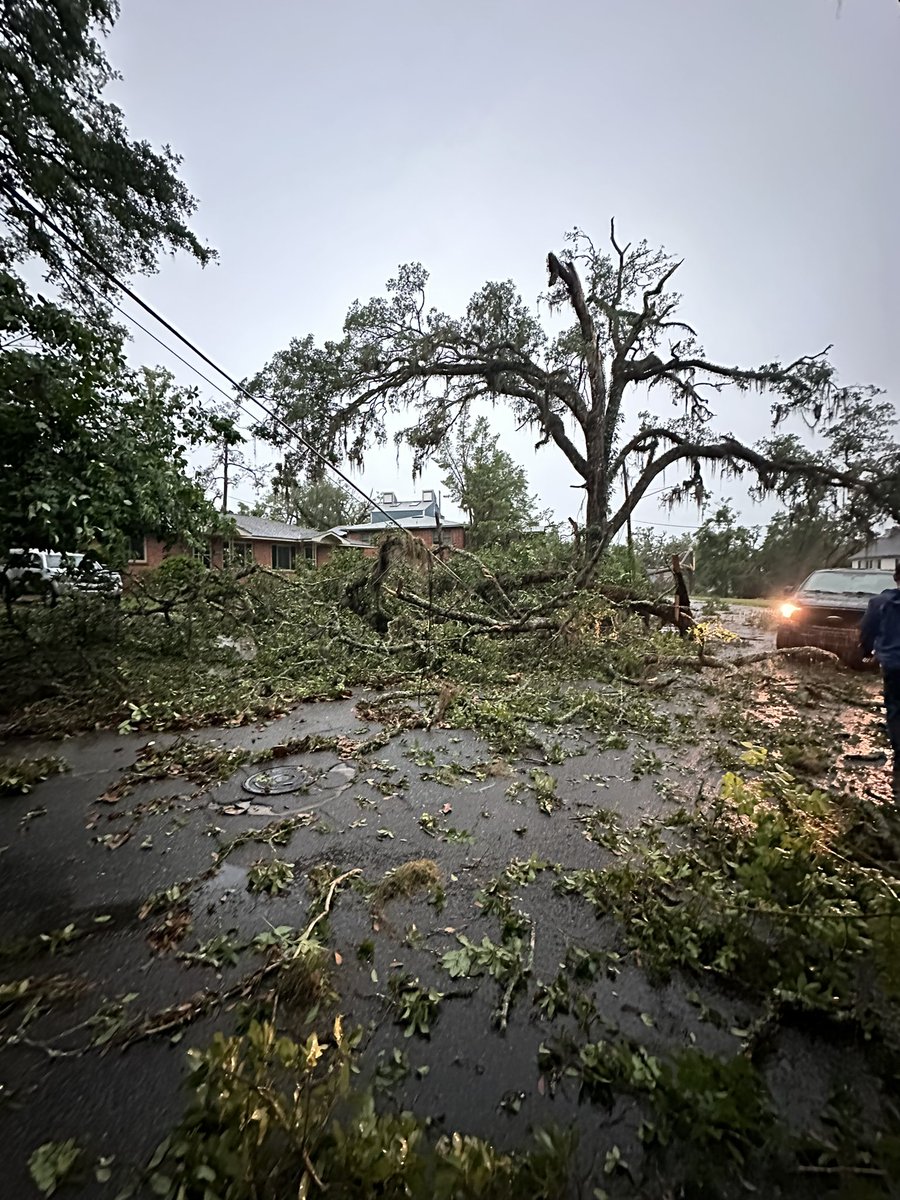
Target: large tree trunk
x,y
596,484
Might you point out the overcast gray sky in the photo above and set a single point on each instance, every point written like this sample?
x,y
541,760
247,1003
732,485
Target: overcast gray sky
x,y
330,140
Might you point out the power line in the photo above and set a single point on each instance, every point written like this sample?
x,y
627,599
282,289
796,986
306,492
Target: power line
x,y
668,524
123,287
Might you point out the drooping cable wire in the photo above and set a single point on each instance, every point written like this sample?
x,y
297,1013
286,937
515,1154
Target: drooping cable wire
x,y
112,278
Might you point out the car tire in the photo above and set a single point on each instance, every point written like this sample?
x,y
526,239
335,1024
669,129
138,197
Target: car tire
x,y
784,638
854,658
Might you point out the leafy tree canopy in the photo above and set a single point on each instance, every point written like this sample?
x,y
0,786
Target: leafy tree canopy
x,y
93,454
487,484
312,503
576,388
738,560
90,452
726,554
66,148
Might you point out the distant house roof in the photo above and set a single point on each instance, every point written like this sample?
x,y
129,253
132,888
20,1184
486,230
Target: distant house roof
x,y
886,546
263,529
402,510
404,522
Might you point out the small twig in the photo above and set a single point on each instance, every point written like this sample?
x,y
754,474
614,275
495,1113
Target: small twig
x,y
304,937
323,1187
50,1051
489,576
840,1170
188,1012
515,980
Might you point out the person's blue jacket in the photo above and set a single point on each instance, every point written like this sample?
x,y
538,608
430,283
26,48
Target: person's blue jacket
x,y
880,629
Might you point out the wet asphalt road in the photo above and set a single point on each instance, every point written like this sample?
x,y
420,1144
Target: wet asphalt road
x,y
57,869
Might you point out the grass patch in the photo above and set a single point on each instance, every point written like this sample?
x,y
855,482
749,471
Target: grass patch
x,y
409,879
304,982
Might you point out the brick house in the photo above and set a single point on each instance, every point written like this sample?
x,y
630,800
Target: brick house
x,y
271,544
421,517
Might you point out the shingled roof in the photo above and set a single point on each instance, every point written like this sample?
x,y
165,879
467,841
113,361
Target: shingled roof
x,y
886,546
263,529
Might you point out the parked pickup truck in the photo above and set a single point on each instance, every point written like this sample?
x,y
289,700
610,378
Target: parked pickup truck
x,y
826,609
52,574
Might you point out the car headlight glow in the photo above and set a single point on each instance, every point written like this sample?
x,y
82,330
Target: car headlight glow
x,y
788,610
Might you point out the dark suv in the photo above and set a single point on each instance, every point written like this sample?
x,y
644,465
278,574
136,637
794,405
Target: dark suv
x,y
826,610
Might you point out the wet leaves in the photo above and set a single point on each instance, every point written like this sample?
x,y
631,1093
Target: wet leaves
x,y
171,930
164,899
408,879
544,785
276,833
429,824
392,1069
109,1021
220,951
667,903
18,777
112,841
272,876
199,762
53,1164
56,939
417,1006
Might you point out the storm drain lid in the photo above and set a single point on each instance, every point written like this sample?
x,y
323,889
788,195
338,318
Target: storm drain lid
x,y
277,780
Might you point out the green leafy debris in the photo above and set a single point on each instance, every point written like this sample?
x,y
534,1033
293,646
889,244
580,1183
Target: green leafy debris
x,y
21,776
53,1164
270,875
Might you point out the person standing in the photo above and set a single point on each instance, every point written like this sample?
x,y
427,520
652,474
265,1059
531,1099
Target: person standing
x,y
879,633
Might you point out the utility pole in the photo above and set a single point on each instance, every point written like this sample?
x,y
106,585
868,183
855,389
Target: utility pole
x,y
225,478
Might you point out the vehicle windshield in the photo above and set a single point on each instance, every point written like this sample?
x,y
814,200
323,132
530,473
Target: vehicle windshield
x,y
64,560
848,582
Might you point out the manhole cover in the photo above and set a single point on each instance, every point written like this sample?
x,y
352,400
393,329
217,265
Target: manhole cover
x,y
277,780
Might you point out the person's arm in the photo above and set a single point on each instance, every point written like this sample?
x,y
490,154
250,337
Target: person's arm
x,y
868,629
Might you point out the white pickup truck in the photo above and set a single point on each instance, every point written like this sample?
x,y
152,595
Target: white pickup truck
x,y
52,574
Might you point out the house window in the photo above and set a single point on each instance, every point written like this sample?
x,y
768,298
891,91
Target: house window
x,y
202,553
283,556
137,549
238,554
